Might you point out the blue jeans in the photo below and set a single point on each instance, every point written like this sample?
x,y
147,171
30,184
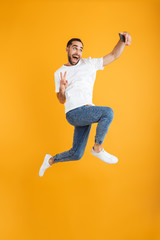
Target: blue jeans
x,y
82,118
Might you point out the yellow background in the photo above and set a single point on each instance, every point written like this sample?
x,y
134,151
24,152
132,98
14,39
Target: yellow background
x,y
85,199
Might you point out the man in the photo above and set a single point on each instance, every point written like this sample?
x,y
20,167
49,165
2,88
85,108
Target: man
x,y
74,86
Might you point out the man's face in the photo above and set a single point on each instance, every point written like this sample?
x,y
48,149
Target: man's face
x,y
74,52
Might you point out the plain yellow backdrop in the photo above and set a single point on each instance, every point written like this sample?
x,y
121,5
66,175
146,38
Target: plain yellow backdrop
x,y
85,199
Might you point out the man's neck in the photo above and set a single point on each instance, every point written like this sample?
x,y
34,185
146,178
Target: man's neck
x,y
69,65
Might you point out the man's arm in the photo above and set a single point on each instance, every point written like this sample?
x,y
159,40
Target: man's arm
x,y
61,96
118,49
63,83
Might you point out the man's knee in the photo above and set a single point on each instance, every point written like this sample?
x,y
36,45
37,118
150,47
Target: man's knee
x,y
78,155
109,113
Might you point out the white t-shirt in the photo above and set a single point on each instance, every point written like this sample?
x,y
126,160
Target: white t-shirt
x,y
81,78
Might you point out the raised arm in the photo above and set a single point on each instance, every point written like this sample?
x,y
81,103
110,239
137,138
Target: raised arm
x,y
118,49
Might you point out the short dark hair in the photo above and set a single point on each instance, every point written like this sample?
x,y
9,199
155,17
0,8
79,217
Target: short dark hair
x,y
73,39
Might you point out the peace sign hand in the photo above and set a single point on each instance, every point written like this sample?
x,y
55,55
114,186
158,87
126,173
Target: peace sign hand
x,y
63,81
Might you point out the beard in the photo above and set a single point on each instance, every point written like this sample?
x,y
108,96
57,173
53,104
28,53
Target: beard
x,y
70,60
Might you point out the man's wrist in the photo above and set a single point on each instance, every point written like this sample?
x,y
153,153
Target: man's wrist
x,y
62,90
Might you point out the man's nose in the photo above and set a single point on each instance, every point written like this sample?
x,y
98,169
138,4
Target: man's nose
x,y
78,52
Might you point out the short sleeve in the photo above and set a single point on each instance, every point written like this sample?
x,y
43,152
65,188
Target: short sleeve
x,y
97,63
57,82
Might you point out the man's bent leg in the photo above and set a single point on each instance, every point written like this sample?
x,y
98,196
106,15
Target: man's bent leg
x,y
87,115
80,139
101,131
103,125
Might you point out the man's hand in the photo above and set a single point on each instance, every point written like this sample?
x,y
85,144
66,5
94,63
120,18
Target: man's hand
x,y
118,49
127,38
63,82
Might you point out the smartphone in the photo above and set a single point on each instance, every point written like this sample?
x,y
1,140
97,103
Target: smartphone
x,y
122,37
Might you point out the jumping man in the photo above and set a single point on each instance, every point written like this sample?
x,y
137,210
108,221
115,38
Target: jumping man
x,y
74,83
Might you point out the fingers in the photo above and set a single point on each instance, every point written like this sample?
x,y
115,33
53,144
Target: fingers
x,y
63,81
126,41
127,38
63,77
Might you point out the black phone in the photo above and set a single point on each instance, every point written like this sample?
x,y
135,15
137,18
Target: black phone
x,y
122,37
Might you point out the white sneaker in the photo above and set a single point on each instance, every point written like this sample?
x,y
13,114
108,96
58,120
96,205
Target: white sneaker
x,y
45,165
105,156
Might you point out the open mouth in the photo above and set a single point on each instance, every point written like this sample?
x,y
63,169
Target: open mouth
x,y
75,57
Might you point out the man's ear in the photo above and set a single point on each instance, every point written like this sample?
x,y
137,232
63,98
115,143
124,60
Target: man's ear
x,y
66,49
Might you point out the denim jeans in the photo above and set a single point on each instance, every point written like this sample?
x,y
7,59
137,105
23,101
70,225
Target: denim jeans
x,y
82,118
